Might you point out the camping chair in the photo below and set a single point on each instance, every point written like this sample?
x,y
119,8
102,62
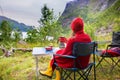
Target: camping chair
x,y
79,49
108,53
111,55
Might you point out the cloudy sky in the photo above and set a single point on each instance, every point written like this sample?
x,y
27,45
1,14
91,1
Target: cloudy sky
x,y
29,11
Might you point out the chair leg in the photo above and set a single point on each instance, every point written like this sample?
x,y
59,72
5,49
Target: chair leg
x,y
84,74
116,64
74,76
65,74
100,62
68,75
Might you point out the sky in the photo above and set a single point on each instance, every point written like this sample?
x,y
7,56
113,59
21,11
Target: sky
x,y
29,11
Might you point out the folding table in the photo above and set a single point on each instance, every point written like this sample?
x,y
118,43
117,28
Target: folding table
x,y
41,51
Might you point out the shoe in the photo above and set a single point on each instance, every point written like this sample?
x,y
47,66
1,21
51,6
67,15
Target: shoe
x,y
43,74
58,76
48,72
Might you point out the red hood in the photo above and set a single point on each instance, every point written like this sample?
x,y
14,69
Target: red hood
x,y
77,25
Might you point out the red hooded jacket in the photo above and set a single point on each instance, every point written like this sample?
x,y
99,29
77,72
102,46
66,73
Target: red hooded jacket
x,y
77,27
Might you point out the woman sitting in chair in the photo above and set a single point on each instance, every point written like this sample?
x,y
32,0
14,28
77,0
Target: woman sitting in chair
x,y
77,26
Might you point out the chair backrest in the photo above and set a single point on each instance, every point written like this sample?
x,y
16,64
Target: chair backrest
x,y
116,38
83,49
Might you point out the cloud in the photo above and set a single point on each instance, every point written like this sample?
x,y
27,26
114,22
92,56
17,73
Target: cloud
x,y
29,11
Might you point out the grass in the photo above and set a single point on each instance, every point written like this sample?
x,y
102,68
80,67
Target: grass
x,y
104,70
21,66
17,67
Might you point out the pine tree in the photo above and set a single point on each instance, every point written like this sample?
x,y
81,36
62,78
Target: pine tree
x,y
49,25
5,30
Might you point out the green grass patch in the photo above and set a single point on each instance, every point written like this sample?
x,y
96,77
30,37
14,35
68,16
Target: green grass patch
x,y
21,66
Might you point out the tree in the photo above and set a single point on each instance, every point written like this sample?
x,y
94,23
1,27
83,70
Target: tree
x,y
49,25
5,30
47,15
17,35
32,35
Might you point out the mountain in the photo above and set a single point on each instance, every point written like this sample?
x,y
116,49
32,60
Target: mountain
x,y
16,25
87,9
109,19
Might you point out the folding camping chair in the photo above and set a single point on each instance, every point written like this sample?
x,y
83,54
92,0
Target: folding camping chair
x,y
107,53
79,49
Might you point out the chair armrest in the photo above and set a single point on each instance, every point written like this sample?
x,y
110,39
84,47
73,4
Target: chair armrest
x,y
108,47
114,45
64,56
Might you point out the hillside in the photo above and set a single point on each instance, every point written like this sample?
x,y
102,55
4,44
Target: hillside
x,y
110,18
16,25
87,9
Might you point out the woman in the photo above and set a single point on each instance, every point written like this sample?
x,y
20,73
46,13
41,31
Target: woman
x,y
77,26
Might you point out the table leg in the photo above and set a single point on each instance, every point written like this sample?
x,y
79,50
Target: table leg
x,y
37,72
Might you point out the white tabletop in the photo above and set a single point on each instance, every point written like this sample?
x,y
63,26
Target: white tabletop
x,y
40,51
